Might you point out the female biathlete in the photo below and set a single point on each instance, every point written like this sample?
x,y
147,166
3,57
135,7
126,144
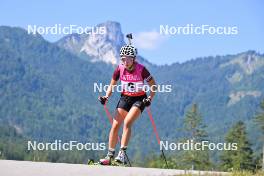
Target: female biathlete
x,y
132,102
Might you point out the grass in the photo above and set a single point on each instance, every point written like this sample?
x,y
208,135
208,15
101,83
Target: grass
x,y
247,173
234,173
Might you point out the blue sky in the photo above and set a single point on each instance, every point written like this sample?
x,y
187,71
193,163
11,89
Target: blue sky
x,y
143,18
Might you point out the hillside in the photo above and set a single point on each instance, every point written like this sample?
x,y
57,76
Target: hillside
x,y
47,93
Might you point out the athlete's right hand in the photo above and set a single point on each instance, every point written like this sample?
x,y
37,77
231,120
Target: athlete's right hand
x,y
147,101
103,99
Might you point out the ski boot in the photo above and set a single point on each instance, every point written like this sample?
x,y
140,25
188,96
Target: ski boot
x,y
122,159
108,159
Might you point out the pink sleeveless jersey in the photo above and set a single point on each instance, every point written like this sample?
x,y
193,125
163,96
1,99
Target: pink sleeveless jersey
x,y
132,83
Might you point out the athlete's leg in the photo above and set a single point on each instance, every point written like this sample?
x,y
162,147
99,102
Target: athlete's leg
x,y
130,118
120,115
117,122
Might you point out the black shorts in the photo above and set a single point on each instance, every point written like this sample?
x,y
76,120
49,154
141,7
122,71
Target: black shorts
x,y
126,102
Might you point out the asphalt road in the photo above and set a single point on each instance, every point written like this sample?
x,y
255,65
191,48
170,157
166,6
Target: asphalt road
x,y
28,168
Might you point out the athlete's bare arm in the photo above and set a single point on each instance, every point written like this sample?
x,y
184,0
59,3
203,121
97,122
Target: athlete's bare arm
x,y
153,88
110,88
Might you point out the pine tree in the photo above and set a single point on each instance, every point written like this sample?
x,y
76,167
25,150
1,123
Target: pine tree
x,y
260,122
193,125
242,158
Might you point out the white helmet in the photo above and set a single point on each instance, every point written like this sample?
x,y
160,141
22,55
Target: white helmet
x,y
128,50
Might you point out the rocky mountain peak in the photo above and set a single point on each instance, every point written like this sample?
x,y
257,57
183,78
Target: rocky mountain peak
x,y
99,46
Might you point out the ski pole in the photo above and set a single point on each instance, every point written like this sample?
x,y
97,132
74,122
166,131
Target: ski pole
x,y
108,114
157,135
110,118
128,160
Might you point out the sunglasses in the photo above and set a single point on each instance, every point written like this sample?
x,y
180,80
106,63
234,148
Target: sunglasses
x,y
127,59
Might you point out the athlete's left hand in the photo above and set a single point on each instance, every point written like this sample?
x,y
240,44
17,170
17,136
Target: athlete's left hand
x,y
147,101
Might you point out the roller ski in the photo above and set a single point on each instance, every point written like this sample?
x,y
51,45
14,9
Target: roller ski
x,y
102,162
112,163
109,160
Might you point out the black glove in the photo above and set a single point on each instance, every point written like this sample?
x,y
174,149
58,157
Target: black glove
x,y
103,99
147,101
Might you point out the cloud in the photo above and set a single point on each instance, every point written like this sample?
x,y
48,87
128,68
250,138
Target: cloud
x,y
148,40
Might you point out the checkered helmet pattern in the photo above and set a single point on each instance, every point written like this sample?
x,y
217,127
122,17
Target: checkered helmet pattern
x,y
128,50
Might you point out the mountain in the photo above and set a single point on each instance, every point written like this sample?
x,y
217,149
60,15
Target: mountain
x,y
223,86
46,86
47,92
98,47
